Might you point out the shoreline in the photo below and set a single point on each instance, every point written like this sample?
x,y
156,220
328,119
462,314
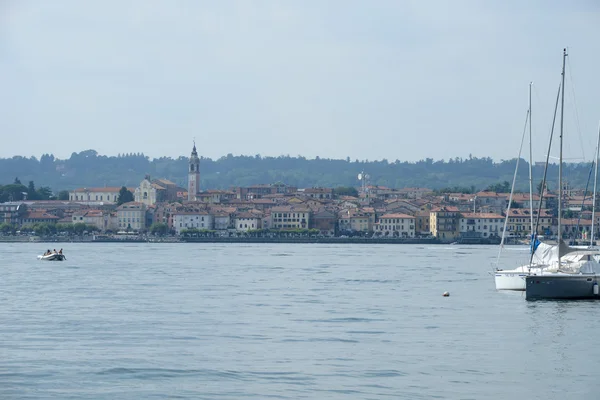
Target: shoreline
x,y
321,240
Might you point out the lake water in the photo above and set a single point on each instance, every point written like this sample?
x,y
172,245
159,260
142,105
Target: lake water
x,y
231,321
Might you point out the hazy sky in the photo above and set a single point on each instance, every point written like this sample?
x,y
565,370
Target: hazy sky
x,y
365,79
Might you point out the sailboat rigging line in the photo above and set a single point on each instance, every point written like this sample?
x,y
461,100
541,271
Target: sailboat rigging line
x,y
587,185
542,187
595,181
512,189
530,165
576,112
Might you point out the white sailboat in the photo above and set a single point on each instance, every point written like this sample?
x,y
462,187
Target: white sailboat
x,y
571,273
546,258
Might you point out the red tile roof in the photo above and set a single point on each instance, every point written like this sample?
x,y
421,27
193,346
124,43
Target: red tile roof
x,y
396,216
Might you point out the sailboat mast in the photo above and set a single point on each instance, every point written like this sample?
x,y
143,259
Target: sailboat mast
x,y
595,181
530,165
537,220
560,157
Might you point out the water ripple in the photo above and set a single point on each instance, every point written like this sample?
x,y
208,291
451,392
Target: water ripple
x,y
258,321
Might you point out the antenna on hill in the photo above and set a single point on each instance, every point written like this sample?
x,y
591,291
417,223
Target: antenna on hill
x,y
363,178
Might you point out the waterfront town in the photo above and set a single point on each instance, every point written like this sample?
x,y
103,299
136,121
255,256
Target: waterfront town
x,y
162,208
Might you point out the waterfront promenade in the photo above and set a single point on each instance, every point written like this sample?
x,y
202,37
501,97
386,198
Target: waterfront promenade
x,y
241,239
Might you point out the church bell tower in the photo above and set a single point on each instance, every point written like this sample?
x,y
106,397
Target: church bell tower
x,y
193,175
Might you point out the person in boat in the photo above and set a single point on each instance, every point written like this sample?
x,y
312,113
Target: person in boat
x,y
60,252
54,251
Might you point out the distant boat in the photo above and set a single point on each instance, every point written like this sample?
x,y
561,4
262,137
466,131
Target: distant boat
x,y
52,257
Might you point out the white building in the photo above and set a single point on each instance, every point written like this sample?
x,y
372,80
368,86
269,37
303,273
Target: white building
x,y
200,220
101,195
222,221
396,225
146,193
245,222
131,217
480,225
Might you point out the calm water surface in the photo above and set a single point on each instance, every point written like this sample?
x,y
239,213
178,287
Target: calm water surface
x,y
231,321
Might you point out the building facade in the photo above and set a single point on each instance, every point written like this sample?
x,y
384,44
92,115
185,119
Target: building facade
x,y
443,223
422,223
102,195
246,221
12,212
325,221
396,225
200,220
519,222
481,225
290,217
146,193
103,220
131,217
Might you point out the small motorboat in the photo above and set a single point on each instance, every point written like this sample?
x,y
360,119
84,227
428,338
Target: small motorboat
x,y
52,257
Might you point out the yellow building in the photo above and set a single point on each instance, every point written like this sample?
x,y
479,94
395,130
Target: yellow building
x,y
290,217
443,223
422,223
131,216
519,222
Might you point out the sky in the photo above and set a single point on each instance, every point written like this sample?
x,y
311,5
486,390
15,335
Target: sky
x,y
368,80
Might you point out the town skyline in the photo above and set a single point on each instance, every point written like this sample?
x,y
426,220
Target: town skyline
x,y
161,206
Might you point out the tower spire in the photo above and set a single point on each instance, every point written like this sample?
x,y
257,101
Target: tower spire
x,y
193,174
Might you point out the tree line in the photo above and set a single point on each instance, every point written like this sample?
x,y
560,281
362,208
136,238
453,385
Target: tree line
x,y
90,169
46,229
16,191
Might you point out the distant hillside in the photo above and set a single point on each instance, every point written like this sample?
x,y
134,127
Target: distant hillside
x,y
89,169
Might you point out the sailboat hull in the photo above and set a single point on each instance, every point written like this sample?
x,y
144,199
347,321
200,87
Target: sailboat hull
x,y
52,257
514,279
561,287
510,280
